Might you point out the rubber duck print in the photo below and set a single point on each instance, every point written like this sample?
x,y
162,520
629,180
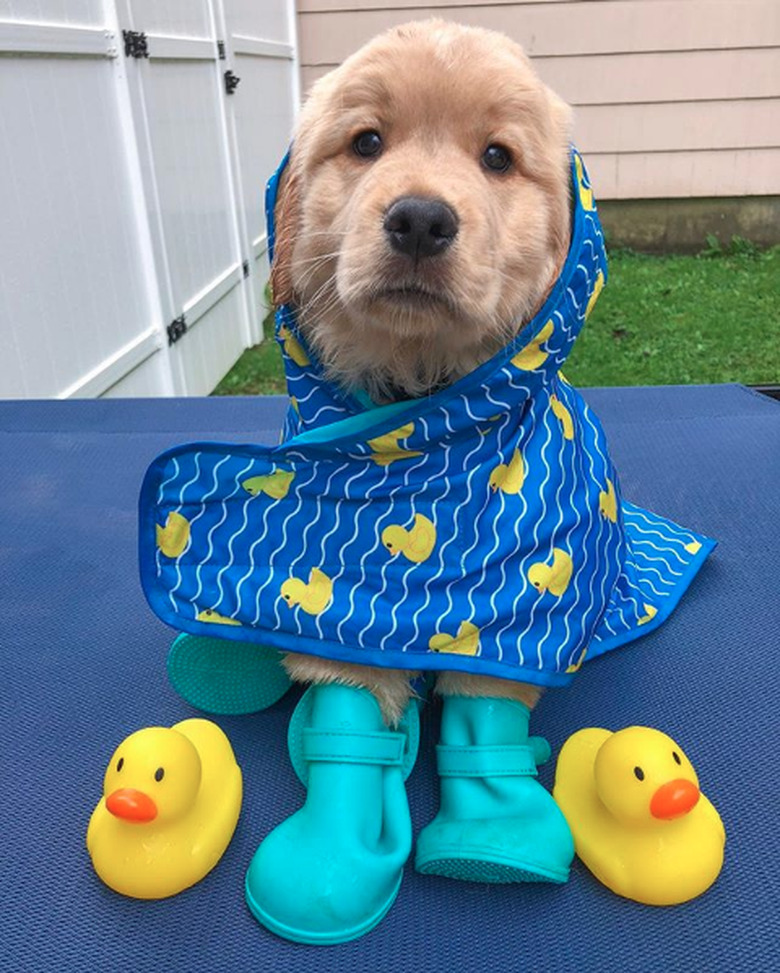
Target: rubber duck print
x,y
171,801
313,596
639,821
608,502
416,544
576,666
532,356
209,615
509,477
293,348
466,642
598,287
553,577
275,485
563,414
693,548
174,537
586,193
650,612
386,448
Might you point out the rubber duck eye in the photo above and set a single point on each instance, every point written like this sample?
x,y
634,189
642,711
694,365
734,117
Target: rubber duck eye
x,y
121,764
676,757
497,158
367,144
639,773
159,774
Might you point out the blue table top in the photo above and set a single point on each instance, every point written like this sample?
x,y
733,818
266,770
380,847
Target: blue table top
x,y
83,665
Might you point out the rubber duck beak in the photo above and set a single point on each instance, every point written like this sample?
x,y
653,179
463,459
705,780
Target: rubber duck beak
x,y
674,799
131,805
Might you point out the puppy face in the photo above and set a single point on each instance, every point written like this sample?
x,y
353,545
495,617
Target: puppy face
x,y
425,211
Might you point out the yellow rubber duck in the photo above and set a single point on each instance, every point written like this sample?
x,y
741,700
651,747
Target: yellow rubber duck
x,y
386,448
509,477
532,356
598,287
466,642
415,544
314,596
639,821
174,537
564,415
586,195
553,577
293,347
209,615
276,484
608,502
171,800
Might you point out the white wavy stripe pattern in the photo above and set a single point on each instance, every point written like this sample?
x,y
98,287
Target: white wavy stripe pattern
x,y
564,444
281,547
364,506
415,640
204,507
533,550
445,620
576,460
407,572
179,508
235,491
604,600
378,527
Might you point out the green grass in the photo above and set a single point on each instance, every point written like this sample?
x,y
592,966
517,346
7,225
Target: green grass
x,y
680,320
670,320
258,371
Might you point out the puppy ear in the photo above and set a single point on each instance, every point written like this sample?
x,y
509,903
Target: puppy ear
x,y
561,115
286,218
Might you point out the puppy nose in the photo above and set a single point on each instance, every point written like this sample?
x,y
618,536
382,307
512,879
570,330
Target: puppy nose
x,y
420,227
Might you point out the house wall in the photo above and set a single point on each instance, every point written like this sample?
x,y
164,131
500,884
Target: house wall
x,y
672,98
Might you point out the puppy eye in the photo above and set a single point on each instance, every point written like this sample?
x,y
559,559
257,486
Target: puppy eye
x,y
496,158
367,144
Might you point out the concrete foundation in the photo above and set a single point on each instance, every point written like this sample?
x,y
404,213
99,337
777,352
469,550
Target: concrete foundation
x,y
682,225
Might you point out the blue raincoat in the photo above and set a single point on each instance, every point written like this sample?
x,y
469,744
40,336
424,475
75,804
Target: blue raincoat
x,y
480,529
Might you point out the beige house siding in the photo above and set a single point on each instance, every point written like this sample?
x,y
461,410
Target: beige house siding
x,y
673,98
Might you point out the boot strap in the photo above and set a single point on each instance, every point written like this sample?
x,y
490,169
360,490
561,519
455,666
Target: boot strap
x,y
499,761
354,747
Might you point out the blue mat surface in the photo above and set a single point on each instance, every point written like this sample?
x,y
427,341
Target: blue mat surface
x,y
83,664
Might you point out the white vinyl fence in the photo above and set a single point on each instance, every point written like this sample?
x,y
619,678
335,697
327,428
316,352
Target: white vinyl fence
x,y
132,168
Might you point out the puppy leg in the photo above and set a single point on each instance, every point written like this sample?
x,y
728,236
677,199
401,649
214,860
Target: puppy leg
x,y
465,684
390,687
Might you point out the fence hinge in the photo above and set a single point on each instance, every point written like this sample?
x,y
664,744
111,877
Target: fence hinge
x,y
221,50
135,43
231,82
245,266
176,329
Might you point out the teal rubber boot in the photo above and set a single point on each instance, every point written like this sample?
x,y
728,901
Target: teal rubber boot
x,y
331,871
221,676
496,823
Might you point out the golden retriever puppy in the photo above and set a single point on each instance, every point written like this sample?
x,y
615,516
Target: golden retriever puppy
x,y
422,220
